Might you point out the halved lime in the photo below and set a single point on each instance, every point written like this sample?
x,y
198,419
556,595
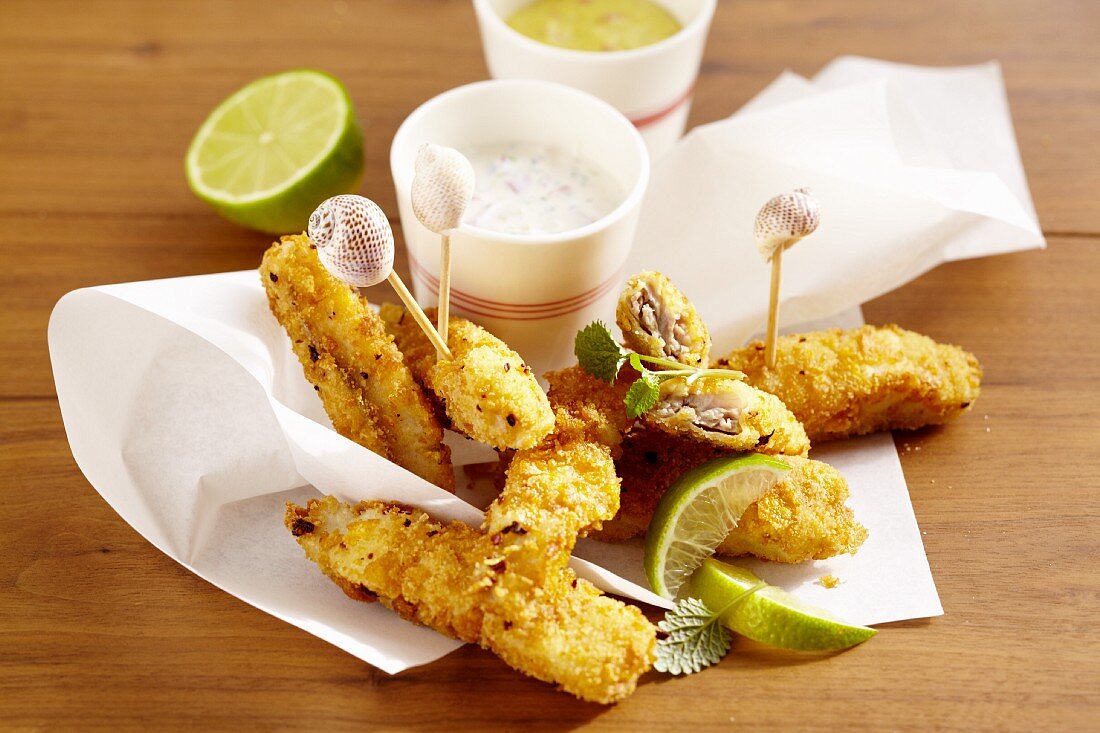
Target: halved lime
x,y
273,151
699,510
770,615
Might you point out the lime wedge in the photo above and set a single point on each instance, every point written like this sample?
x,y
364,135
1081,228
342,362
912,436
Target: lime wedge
x,y
699,510
770,615
273,151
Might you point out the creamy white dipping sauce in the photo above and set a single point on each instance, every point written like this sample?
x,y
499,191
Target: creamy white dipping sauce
x,y
530,188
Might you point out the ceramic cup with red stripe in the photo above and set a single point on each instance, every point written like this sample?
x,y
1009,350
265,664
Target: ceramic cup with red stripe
x,y
535,291
651,85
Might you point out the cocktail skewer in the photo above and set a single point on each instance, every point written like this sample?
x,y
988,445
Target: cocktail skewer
x,y
355,243
443,184
781,222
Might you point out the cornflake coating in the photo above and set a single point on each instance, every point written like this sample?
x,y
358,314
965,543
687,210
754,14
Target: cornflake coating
x,y
845,383
658,320
727,413
507,587
486,390
365,387
803,517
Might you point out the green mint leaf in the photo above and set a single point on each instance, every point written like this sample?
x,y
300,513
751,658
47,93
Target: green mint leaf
x,y
694,640
598,353
636,362
642,395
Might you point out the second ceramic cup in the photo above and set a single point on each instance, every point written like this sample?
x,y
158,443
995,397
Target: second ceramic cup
x,y
651,85
535,291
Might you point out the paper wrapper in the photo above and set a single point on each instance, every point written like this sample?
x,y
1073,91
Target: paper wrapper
x,y
913,167
186,409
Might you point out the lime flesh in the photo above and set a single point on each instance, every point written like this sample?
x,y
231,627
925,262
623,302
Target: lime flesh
x,y
274,150
699,510
770,615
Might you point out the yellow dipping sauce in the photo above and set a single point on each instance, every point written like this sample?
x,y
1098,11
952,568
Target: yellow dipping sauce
x,y
595,25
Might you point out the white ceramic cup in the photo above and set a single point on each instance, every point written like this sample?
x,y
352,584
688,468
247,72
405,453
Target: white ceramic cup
x,y
651,85
535,291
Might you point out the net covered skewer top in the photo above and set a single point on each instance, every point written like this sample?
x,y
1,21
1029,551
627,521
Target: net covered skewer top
x,y
784,220
443,184
354,239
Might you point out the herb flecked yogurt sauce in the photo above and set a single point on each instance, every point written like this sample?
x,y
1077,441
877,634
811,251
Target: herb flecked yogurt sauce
x,y
532,188
595,25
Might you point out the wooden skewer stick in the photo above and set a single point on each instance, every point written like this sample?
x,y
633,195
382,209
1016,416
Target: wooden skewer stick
x,y
443,184
443,312
781,222
773,309
355,243
419,315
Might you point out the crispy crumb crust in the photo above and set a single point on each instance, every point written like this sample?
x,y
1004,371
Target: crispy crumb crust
x,y
670,306
846,383
487,391
507,587
367,391
804,517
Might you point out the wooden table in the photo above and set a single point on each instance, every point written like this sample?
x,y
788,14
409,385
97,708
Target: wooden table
x,y
98,101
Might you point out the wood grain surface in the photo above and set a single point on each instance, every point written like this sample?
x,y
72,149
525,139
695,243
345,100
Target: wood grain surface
x,y
98,630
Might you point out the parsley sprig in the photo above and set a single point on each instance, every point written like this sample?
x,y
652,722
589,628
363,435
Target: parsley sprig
x,y
694,637
603,357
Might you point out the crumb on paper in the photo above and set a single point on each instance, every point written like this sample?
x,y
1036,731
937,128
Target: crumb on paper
x,y
828,581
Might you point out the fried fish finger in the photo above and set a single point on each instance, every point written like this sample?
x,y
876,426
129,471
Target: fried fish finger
x,y
727,413
366,389
658,320
575,390
804,517
486,390
507,587
846,383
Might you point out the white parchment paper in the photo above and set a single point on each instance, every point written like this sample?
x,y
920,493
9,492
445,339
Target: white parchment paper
x,y
186,409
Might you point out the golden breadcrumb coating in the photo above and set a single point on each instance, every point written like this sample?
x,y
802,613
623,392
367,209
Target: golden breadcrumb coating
x,y
727,413
803,517
418,351
649,462
720,412
575,390
486,390
658,320
506,587
845,383
366,389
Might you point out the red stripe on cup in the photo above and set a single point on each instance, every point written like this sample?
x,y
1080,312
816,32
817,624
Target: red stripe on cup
x,y
665,111
433,282
516,311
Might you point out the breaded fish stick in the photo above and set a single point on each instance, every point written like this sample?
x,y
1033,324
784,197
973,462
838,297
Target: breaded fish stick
x,y
507,587
366,389
649,462
720,412
575,390
845,383
729,414
802,518
658,320
486,390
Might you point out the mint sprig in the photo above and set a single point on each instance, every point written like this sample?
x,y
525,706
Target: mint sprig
x,y
603,357
695,640
598,352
